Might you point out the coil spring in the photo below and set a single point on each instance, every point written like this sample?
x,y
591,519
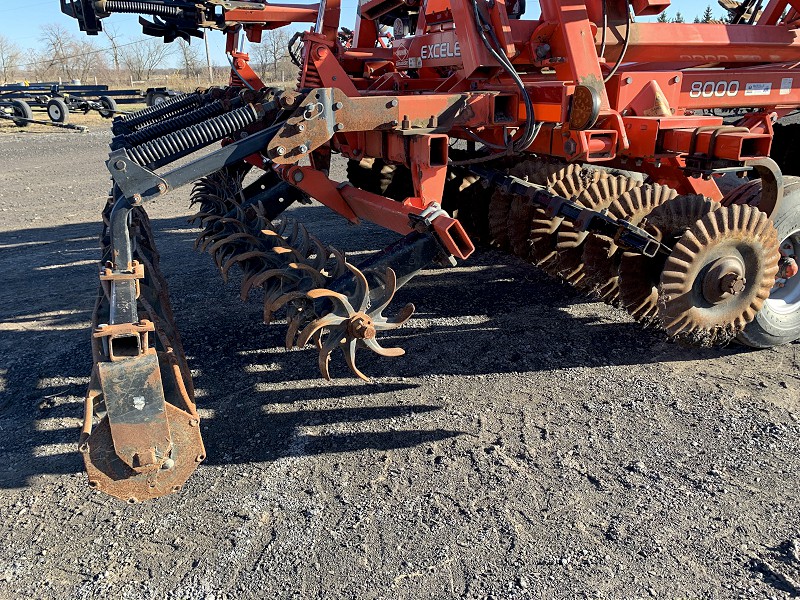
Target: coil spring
x,y
162,127
179,143
145,8
168,108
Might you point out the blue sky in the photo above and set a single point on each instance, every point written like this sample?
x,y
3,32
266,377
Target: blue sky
x,y
20,20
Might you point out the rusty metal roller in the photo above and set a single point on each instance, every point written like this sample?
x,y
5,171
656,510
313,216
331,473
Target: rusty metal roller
x,y
600,254
719,275
639,275
567,263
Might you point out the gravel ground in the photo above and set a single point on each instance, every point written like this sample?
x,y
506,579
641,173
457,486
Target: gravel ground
x,y
531,444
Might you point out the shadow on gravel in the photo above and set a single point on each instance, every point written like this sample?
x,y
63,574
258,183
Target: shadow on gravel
x,y
494,315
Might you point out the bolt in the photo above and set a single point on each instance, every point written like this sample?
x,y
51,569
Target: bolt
x,y
395,123
298,176
168,464
194,422
303,148
119,165
199,458
301,127
733,283
280,150
83,448
628,80
676,79
338,127
162,188
393,103
361,327
338,106
137,198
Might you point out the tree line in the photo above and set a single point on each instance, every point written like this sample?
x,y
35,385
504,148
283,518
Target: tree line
x,y
706,17
114,58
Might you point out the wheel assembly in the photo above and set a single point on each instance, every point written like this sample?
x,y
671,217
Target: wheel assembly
x,y
109,107
21,109
639,275
778,322
58,111
719,275
601,253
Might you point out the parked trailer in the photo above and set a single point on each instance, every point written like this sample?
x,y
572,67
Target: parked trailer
x,y
59,100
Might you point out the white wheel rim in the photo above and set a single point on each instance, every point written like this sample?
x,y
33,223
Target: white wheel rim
x,y
784,299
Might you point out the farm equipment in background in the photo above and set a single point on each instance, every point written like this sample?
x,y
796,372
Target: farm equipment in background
x,y
59,100
584,147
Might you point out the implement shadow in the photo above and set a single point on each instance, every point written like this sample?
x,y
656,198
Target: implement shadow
x,y
493,315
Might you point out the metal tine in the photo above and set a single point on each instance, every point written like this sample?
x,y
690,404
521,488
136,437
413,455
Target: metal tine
x,y
319,251
340,264
224,248
251,255
350,358
390,287
331,343
380,350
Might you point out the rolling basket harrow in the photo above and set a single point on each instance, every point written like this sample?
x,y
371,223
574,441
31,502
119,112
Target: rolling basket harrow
x,y
587,145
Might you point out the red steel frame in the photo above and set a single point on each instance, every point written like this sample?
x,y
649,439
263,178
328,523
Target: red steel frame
x,y
651,110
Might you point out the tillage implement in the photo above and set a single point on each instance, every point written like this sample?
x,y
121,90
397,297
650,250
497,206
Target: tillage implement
x,y
582,136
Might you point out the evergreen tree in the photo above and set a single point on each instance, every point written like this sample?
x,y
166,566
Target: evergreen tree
x,y
708,15
678,18
662,18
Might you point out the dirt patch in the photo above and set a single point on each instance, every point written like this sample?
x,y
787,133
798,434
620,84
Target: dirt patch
x,y
531,444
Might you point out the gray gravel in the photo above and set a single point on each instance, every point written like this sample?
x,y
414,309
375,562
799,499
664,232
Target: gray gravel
x,y
531,444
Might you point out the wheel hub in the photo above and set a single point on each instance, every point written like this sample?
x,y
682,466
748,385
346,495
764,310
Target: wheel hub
x,y
785,295
361,327
724,278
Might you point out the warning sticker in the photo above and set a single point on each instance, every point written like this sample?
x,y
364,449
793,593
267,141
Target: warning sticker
x,y
786,86
758,89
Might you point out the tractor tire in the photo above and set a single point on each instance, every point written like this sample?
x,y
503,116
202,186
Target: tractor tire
x,y
778,322
58,111
23,110
109,105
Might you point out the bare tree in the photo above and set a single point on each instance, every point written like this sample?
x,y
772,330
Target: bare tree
x,y
270,53
191,60
112,33
10,56
145,56
66,56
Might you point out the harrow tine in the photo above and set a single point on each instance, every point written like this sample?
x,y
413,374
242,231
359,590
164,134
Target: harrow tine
x,y
380,350
333,341
328,320
350,358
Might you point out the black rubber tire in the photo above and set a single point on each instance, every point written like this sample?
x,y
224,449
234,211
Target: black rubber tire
x,y
58,111
21,109
109,105
771,328
156,99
